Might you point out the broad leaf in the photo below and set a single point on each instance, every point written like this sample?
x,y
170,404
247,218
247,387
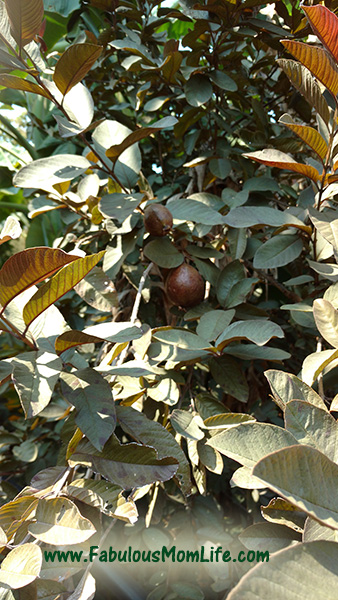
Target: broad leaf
x,y
268,536
213,323
326,317
278,251
303,81
282,512
17,83
226,420
304,572
313,426
286,387
249,216
95,408
324,24
21,566
309,135
275,158
127,465
250,442
34,376
25,17
26,268
59,285
291,472
163,253
229,276
257,331
44,173
152,433
317,61
111,332
316,531
74,65
60,523
327,225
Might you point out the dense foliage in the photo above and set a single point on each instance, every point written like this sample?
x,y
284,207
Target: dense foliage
x,y
169,296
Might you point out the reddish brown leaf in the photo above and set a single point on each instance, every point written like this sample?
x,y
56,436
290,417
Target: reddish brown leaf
x,y
274,158
317,61
25,18
17,83
324,24
26,268
74,65
309,135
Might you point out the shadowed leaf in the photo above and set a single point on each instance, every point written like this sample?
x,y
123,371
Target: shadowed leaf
x,y
25,18
111,332
74,65
17,83
115,151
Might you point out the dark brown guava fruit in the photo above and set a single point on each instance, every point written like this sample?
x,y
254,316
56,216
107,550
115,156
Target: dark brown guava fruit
x,y
185,286
158,220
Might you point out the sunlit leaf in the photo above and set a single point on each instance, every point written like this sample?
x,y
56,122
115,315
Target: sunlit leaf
x,y
59,285
309,135
317,61
324,24
26,268
74,65
21,566
25,17
45,173
59,523
275,158
17,83
115,151
326,317
11,229
111,332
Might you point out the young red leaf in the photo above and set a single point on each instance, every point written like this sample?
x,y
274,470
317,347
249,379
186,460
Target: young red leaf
x,y
309,135
324,24
274,158
74,65
25,17
317,61
59,285
26,268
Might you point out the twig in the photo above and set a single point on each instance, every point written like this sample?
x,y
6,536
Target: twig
x,y
320,376
291,295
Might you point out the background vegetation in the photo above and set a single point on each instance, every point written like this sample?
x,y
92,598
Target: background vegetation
x,y
127,419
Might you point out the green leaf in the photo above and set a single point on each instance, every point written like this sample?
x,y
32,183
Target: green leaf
x,y
223,81
60,523
258,331
252,352
74,64
316,531
198,90
187,424
188,209
25,18
286,387
119,206
249,442
240,291
21,566
228,374
278,251
244,478
152,433
312,426
305,572
163,253
98,291
327,224
226,420
35,375
291,471
111,332
95,408
59,285
229,276
25,269
326,317
249,216
268,536
63,7
126,465
44,173
103,495
212,323
165,391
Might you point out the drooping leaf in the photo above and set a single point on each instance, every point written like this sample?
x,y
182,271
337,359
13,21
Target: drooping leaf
x,y
278,251
229,276
152,433
95,408
11,230
317,61
115,151
35,375
275,158
313,426
127,465
74,64
26,268
249,442
282,512
309,135
163,253
100,494
291,471
17,83
249,216
257,331
326,317
59,285
60,523
21,566
111,332
212,323
327,225
308,572
227,373
307,85
198,90
324,24
44,173
25,18
286,387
